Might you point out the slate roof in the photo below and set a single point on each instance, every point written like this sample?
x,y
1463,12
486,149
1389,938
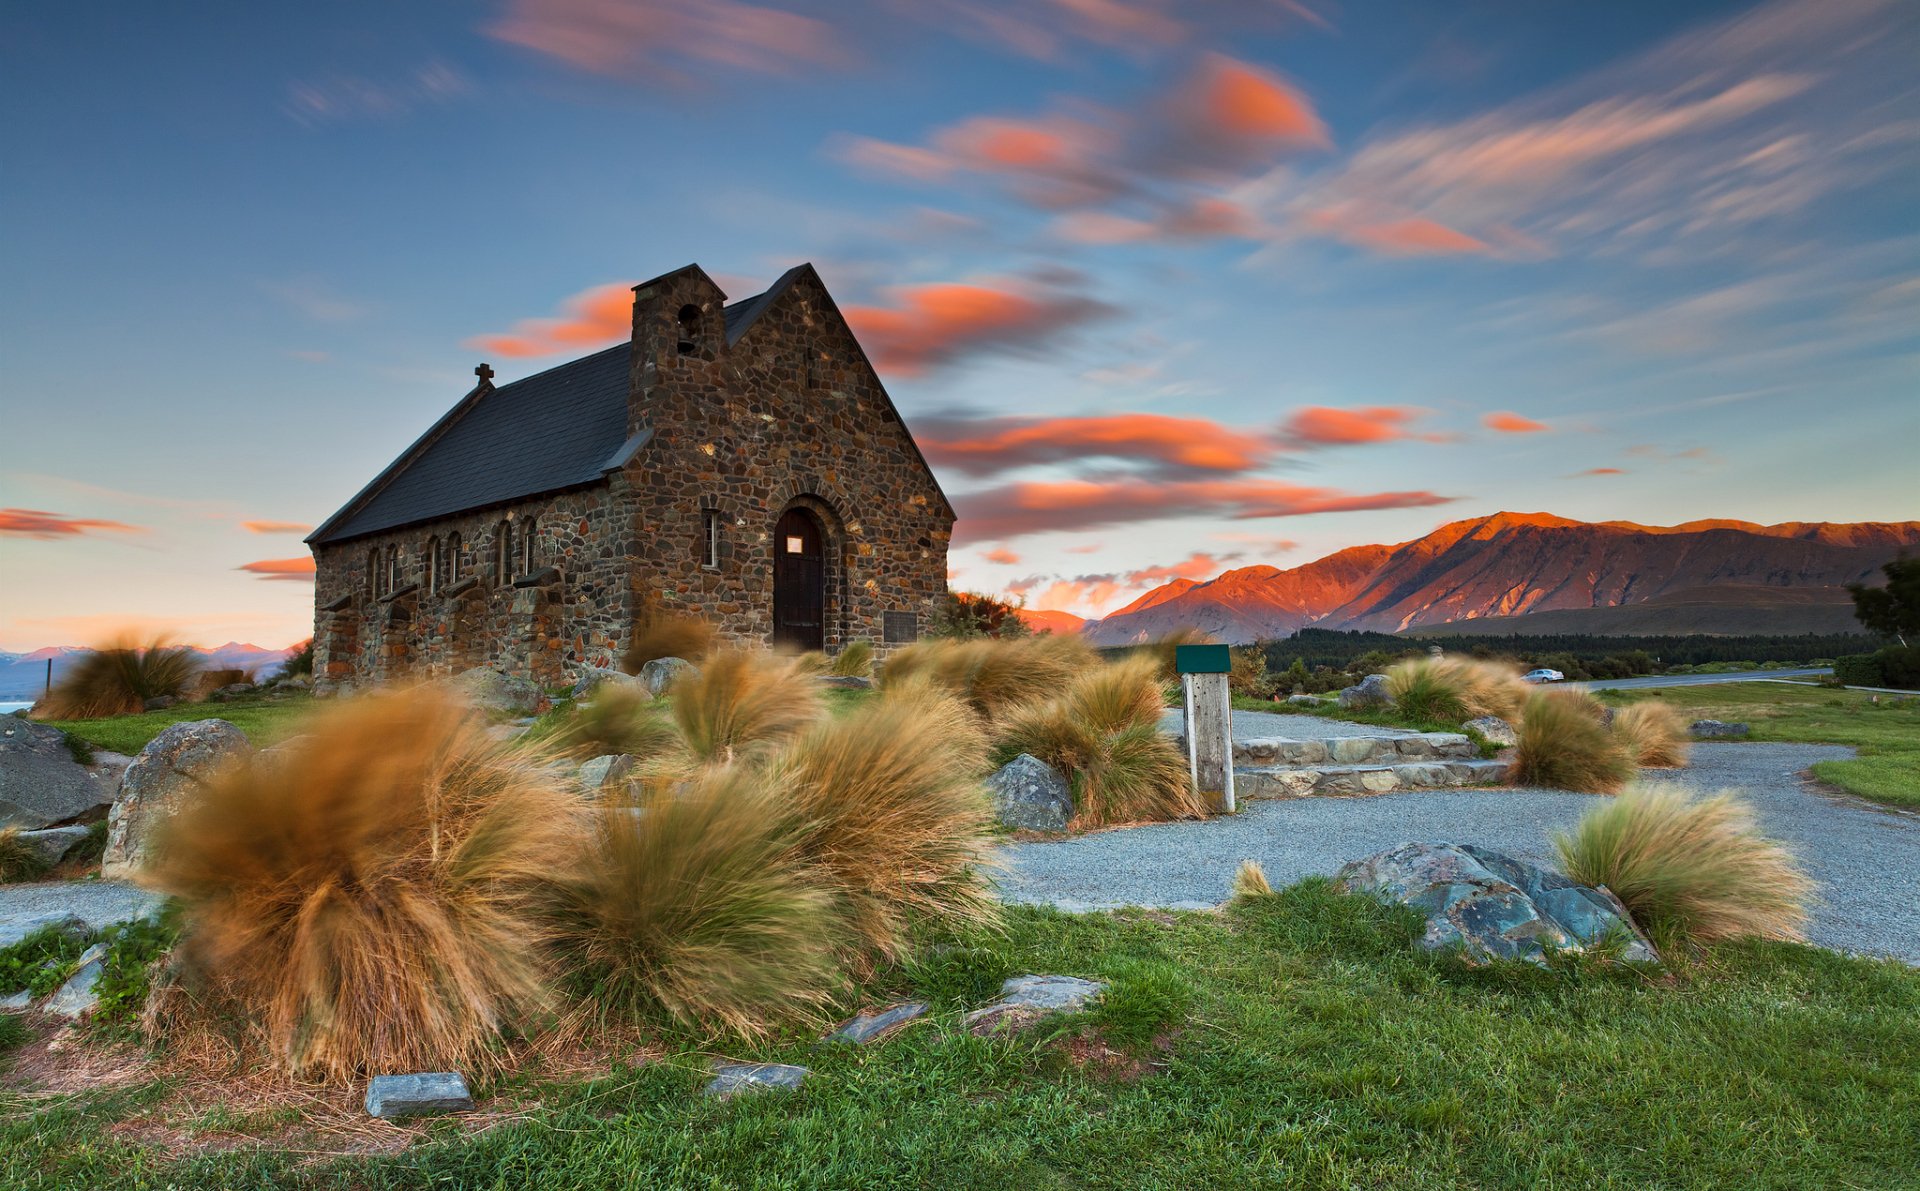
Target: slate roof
x,y
562,428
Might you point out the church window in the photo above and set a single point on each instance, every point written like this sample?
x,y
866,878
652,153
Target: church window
x,y
503,552
433,565
373,572
528,554
710,539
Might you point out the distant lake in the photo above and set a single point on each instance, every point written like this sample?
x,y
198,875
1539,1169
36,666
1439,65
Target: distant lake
x,y
10,708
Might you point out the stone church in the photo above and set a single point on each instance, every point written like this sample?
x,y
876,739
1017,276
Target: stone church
x,y
737,461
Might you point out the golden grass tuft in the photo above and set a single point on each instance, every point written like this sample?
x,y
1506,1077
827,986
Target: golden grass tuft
x,y
1455,688
19,860
698,905
665,635
855,660
1250,880
896,816
618,719
1688,867
993,675
1654,734
1103,732
1162,651
743,706
367,898
1561,745
119,678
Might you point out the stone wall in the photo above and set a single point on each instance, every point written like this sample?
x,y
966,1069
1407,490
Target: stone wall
x,y
791,416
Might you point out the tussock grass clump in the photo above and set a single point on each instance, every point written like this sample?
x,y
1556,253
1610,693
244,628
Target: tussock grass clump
x,y
855,660
664,635
19,860
1689,868
743,706
368,900
896,816
1655,735
697,905
618,719
1455,688
1562,745
1103,731
1250,880
119,678
209,681
993,675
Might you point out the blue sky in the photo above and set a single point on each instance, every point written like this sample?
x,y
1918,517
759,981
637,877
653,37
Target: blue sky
x,y
1165,288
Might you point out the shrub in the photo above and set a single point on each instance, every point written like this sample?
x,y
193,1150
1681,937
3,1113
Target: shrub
x,y
992,676
368,900
855,660
742,706
1859,669
41,961
19,860
617,719
1455,689
1896,666
1563,745
896,816
964,615
1247,673
1688,867
1103,731
659,634
300,662
118,679
1655,735
697,905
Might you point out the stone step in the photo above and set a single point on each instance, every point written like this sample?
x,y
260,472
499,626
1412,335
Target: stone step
x,y
1354,750
1297,781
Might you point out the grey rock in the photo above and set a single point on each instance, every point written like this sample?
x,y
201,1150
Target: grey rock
x,y
426,1093
500,694
661,673
871,1025
1028,793
1370,691
232,690
17,1002
1303,700
53,843
173,766
1025,1000
597,774
852,682
1495,729
41,785
12,930
592,678
76,997
1719,730
731,1079
1494,906
160,702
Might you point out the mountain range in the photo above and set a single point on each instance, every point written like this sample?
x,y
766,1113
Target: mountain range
x,y
24,675
1534,573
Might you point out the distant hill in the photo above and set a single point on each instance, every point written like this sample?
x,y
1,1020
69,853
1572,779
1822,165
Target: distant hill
x,y
1047,620
24,675
1512,569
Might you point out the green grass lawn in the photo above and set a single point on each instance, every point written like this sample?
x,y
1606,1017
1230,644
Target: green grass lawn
x,y
1887,733
1302,1041
265,719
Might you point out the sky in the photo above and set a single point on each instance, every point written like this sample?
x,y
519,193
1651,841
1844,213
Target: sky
x,y
1163,287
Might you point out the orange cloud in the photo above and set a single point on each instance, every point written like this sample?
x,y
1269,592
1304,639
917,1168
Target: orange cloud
x,y
274,527
1002,555
646,37
49,527
298,570
595,318
931,325
1040,506
1231,98
1511,423
1391,236
1197,565
1602,471
1319,425
986,446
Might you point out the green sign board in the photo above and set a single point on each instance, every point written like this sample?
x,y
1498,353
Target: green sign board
x,y
1201,659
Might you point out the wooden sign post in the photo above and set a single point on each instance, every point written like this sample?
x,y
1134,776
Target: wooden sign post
x,y
1209,722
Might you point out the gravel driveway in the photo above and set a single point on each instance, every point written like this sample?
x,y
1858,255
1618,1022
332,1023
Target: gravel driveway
x,y
1866,860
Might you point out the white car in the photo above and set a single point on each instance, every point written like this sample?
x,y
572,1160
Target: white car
x,y
1544,675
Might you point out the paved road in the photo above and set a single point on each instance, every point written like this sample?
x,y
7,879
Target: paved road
x,y
1653,680
1866,860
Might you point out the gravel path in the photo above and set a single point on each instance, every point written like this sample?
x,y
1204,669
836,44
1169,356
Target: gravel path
x,y
1248,725
101,903
1866,860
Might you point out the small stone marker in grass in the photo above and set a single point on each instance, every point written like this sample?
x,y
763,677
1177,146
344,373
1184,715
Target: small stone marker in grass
x,y
871,1025
392,1097
731,1079
1207,709
1025,1000
76,997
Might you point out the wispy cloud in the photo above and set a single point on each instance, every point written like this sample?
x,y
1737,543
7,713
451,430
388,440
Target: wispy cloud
x,y
298,570
1508,422
1011,510
659,40
1321,426
53,527
593,318
338,98
989,446
275,526
925,326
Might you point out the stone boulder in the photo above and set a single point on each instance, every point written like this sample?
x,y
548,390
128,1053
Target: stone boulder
x,y
77,997
599,773
53,843
497,693
232,690
41,785
424,1093
1370,691
1494,906
661,673
1303,700
731,1079
157,785
873,1025
160,702
1025,1000
1495,729
592,678
850,682
1719,730
1029,793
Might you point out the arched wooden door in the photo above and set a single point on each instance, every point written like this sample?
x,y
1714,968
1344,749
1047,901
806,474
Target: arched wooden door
x,y
799,581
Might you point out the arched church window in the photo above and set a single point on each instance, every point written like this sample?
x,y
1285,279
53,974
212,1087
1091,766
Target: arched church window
x,y
433,565
528,554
